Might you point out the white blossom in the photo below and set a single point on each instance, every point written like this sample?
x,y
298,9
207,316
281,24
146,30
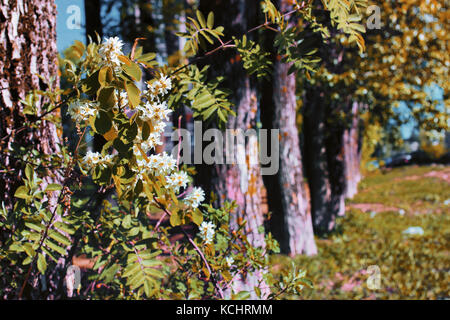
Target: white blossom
x,y
158,164
110,50
81,110
229,261
160,86
92,159
154,111
195,197
177,180
207,230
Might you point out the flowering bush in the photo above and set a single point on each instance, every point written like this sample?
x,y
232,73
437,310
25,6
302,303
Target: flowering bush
x,y
131,249
110,205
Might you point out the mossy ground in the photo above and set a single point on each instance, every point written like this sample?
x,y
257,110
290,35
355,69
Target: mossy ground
x,y
411,267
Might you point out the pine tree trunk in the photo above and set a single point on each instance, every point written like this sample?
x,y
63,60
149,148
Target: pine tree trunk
x,y
240,182
28,49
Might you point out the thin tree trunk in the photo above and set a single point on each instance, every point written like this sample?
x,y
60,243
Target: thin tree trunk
x,y
94,27
352,152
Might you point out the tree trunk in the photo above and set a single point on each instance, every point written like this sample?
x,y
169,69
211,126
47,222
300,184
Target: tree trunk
x,y
92,11
352,152
28,50
297,217
333,154
291,221
240,182
94,27
316,160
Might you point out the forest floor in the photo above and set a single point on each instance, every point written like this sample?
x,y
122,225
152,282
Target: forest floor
x,y
411,266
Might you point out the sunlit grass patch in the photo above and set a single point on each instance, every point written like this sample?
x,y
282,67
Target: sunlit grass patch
x,y
411,266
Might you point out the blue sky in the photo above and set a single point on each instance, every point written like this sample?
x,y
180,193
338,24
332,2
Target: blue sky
x,y
66,28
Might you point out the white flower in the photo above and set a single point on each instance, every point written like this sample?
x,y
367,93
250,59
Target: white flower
x,y
207,230
154,111
401,212
164,85
229,261
160,86
195,197
82,110
110,50
92,159
177,180
164,163
447,202
157,164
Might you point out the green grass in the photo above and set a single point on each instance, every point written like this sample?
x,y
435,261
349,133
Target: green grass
x,y
412,267
392,189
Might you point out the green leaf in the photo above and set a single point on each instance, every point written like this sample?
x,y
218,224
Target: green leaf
x,y
201,19
103,123
53,187
133,94
242,295
41,263
29,172
210,23
133,70
22,193
175,219
197,217
107,98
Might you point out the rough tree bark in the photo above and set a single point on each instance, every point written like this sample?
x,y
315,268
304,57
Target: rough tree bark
x,y
239,182
291,221
28,50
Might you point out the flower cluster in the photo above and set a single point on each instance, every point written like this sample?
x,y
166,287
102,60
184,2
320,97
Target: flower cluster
x,y
196,197
177,180
158,87
92,159
158,164
157,114
207,230
82,110
109,51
